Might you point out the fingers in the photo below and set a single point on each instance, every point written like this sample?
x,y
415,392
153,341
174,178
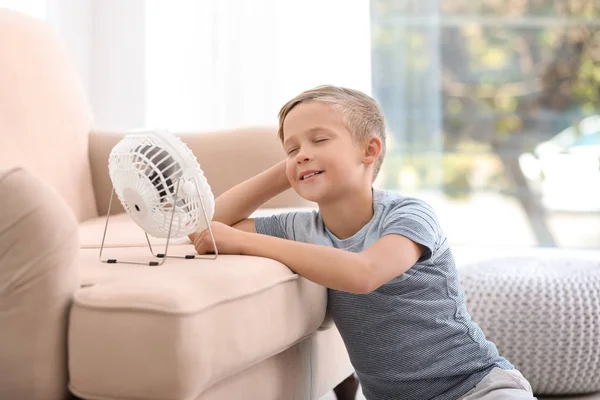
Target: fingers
x,y
203,243
199,243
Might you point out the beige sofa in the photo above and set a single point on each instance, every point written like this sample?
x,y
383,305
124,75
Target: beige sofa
x,y
233,328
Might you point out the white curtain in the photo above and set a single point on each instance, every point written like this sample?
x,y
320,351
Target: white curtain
x,y
220,64
207,64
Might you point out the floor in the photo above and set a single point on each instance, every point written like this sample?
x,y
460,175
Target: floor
x,y
331,396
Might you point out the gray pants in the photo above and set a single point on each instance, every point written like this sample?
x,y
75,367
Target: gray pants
x,y
501,385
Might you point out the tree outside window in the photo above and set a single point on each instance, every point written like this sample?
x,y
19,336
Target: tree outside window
x,y
495,98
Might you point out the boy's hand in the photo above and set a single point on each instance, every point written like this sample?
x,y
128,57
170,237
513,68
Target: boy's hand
x,y
228,239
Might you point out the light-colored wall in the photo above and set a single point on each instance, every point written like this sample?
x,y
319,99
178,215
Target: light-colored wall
x,y
73,20
106,41
118,73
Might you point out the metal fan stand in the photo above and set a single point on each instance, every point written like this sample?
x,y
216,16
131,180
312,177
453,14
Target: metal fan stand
x,y
162,256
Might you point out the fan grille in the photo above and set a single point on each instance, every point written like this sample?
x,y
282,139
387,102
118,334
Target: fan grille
x,y
146,170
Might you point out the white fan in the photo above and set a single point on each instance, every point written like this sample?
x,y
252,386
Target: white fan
x,y
160,184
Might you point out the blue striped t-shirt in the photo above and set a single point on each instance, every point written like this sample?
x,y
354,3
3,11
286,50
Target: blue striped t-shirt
x,y
412,338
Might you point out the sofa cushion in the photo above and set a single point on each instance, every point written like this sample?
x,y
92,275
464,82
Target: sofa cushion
x,y
307,370
44,116
171,332
38,276
121,232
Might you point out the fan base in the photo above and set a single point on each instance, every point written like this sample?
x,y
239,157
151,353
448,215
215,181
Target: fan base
x,y
162,256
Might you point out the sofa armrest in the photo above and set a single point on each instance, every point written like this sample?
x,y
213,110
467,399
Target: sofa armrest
x,y
38,276
227,158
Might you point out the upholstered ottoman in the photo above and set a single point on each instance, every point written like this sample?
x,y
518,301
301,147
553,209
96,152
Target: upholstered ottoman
x,y
544,316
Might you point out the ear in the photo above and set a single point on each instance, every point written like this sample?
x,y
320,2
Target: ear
x,y
372,150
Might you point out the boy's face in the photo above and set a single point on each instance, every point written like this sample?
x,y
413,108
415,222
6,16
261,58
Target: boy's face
x,y
324,162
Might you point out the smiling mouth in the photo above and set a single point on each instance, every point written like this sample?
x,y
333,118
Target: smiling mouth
x,y
311,175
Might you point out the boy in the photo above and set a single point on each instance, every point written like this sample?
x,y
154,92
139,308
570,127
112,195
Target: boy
x,y
394,292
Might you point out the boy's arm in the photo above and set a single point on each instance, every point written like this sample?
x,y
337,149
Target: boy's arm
x,y
387,258
234,206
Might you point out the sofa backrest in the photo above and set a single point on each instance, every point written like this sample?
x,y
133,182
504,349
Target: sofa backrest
x,y
227,157
45,118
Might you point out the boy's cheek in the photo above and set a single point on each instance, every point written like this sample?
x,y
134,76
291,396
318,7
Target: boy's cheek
x,y
289,172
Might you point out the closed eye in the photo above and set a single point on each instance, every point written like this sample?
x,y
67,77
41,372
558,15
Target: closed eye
x,y
321,140
290,151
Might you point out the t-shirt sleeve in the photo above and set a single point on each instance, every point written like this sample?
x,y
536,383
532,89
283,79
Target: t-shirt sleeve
x,y
278,225
415,220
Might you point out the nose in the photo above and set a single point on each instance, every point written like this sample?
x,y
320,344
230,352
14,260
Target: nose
x,y
302,156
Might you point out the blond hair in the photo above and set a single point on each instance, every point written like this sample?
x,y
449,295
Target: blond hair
x,y
361,113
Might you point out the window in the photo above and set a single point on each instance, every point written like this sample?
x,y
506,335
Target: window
x,y
493,115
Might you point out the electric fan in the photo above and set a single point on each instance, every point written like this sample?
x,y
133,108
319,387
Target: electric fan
x,y
161,186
